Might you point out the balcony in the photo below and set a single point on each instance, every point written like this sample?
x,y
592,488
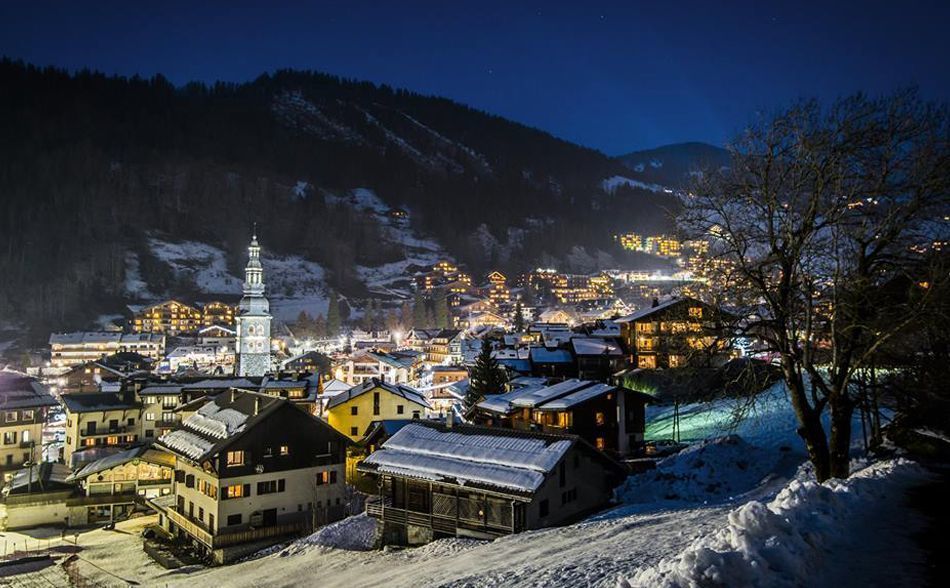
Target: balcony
x,y
123,430
239,534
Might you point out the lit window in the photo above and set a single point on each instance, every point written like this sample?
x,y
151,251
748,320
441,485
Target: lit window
x,y
284,450
236,491
235,458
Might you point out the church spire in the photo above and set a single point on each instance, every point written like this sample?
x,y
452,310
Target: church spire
x,y
254,271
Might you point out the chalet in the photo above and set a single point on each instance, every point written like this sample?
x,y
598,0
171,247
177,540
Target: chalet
x,y
476,320
552,363
445,348
611,418
24,404
311,362
666,334
366,365
597,358
216,334
351,412
444,480
168,318
251,469
118,484
446,374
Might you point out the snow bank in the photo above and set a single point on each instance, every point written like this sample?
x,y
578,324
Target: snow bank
x,y
714,468
356,533
784,542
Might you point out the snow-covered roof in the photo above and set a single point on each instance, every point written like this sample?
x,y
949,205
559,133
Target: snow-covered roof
x,y
645,312
466,455
117,459
577,397
334,387
95,402
217,422
21,391
595,346
544,355
85,337
44,476
541,395
501,403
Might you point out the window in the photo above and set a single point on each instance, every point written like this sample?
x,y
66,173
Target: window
x,y
234,519
27,415
268,452
354,431
324,478
150,416
569,496
285,450
376,403
270,486
601,443
237,491
211,521
9,438
543,508
11,416
600,419
354,410
235,458
695,312
400,409
112,440
201,514
149,433
113,424
415,414
25,436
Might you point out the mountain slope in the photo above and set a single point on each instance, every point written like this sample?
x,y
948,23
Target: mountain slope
x,y
672,165
92,166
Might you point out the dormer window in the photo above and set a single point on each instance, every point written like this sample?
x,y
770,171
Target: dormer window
x,y
235,458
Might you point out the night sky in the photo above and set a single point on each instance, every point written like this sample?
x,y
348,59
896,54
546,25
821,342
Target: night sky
x,y
616,76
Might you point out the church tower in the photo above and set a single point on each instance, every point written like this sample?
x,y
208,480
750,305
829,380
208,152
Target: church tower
x,y
253,320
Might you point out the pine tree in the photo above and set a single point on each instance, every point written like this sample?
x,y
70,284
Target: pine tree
x,y
441,312
486,376
333,315
519,317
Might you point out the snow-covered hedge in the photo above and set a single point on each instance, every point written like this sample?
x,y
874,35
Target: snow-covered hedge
x,y
779,544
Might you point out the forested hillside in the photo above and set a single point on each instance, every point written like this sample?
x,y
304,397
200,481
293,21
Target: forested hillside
x,y
90,165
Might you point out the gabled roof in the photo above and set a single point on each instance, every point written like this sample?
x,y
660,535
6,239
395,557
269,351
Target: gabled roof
x,y
218,423
21,391
44,477
334,387
560,396
645,312
140,452
514,461
595,346
410,394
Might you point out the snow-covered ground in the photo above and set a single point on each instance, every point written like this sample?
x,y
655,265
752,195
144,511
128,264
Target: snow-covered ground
x,y
729,511
611,184
293,283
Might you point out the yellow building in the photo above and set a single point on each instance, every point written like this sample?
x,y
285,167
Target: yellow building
x,y
170,318
352,412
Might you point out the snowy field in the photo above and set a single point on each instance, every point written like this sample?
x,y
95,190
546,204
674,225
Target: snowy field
x,y
738,509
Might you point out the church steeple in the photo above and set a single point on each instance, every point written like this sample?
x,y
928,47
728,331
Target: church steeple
x,y
253,320
254,271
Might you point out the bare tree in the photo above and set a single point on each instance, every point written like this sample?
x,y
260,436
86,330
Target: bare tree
x,y
820,209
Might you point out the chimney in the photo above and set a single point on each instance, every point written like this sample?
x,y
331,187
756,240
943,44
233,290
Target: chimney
x,y
449,419
257,405
656,302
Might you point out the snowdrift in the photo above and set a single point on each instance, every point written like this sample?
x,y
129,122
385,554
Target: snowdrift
x,y
355,533
714,468
781,543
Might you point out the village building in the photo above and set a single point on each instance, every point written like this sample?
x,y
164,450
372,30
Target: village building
x,y
667,333
611,418
116,485
597,358
71,349
39,495
169,317
251,469
216,335
352,412
365,365
99,423
442,480
24,404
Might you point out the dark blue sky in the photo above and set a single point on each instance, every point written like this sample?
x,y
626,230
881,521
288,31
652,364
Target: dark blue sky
x,y
615,76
